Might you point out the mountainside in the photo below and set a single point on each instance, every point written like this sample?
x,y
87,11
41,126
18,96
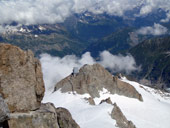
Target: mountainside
x,y
91,27
107,109
93,78
91,96
115,43
154,57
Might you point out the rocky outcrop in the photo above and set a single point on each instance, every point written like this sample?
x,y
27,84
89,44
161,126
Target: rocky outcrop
x,y
21,81
45,117
22,89
65,119
126,89
93,78
121,120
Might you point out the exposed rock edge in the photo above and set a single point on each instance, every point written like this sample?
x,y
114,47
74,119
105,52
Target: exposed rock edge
x,y
121,120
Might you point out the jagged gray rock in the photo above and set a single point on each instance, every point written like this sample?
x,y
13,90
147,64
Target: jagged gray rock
x,y
21,79
93,78
4,111
108,100
121,120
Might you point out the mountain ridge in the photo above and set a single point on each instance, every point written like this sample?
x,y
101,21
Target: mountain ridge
x,y
153,56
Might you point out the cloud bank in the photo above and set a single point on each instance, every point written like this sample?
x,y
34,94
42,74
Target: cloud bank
x,y
117,63
155,30
53,11
56,68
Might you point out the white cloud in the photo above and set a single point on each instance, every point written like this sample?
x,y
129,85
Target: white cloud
x,y
9,28
156,30
52,11
56,68
150,5
117,63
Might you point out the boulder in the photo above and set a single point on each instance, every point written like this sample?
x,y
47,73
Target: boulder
x,y
45,117
21,79
121,120
94,78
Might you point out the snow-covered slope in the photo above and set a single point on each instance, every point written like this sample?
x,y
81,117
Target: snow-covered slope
x,y
153,112
87,116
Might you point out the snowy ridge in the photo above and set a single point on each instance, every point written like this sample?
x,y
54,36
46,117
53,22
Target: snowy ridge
x,y
153,112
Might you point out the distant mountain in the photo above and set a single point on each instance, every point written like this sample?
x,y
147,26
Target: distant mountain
x,y
53,39
116,42
154,57
83,32
91,27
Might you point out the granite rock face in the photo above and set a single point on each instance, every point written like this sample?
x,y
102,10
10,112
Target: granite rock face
x,y
121,120
45,117
93,78
21,79
21,92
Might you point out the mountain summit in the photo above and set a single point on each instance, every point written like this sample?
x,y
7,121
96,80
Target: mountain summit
x,y
91,79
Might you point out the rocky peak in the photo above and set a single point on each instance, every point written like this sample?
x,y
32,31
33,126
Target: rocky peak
x,y
21,79
94,78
